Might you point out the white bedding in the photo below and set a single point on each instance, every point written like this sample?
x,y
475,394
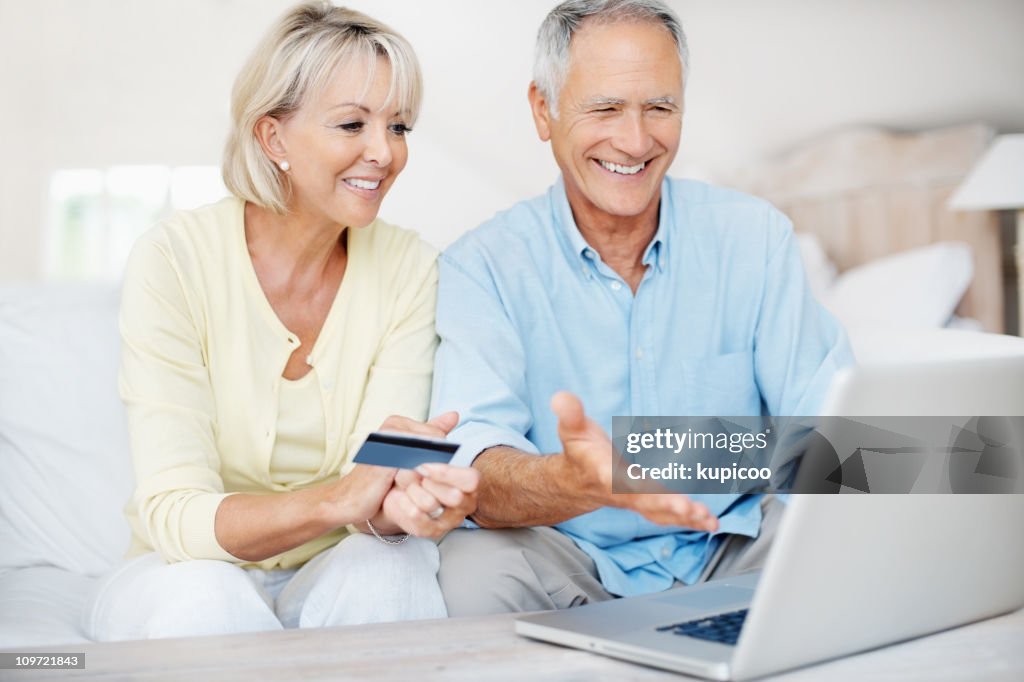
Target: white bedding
x,y
878,346
914,289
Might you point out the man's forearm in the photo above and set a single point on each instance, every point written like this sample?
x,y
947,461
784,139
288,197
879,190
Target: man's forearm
x,y
518,489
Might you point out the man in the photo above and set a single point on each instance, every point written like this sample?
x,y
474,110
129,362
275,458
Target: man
x,y
633,293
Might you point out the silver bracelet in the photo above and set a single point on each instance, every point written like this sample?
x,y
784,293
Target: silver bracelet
x,y
383,539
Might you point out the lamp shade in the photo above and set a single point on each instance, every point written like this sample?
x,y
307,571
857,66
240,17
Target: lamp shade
x,y
997,180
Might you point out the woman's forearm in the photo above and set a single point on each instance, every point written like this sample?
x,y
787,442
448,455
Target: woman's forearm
x,y
254,527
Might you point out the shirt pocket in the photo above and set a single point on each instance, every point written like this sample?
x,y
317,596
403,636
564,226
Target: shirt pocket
x,y
720,385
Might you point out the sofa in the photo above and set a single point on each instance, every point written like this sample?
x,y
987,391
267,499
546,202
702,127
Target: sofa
x,y
64,468
65,472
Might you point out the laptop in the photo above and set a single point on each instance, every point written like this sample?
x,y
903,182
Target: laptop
x,y
846,573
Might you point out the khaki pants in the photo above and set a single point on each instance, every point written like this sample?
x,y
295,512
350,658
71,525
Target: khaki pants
x,y
540,569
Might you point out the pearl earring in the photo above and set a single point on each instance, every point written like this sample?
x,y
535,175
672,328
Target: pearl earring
x,y
285,166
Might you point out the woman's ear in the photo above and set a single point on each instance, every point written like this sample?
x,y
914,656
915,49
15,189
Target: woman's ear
x,y
270,134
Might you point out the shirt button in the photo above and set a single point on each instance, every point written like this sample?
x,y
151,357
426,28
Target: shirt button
x,y
268,434
666,552
615,286
587,253
291,341
639,353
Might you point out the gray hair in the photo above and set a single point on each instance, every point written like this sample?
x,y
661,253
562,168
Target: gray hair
x,y
551,59
290,65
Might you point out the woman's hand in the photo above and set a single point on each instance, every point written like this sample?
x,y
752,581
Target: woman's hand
x,y
386,517
433,499
360,493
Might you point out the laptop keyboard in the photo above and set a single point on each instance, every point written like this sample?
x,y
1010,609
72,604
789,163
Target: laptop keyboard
x,y
723,628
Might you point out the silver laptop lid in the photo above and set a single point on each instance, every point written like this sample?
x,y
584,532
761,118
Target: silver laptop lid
x,y
883,568
991,386
852,572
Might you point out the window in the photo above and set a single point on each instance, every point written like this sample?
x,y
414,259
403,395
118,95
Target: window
x,y
95,215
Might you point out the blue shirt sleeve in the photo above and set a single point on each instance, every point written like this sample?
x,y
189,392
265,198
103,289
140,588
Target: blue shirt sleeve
x,y
480,367
798,345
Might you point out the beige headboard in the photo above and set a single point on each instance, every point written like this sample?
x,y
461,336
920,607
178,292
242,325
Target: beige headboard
x,y
868,192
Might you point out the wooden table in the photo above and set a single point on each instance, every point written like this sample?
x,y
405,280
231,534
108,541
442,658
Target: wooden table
x,y
474,649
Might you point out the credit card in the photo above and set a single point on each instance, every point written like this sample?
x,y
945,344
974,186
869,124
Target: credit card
x,y
403,451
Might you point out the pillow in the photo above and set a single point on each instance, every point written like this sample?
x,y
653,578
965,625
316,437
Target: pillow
x,y
65,471
965,323
821,272
919,288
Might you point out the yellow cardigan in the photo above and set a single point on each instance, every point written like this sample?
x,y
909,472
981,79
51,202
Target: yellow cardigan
x,y
201,361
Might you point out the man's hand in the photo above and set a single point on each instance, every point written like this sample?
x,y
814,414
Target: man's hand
x,y
588,458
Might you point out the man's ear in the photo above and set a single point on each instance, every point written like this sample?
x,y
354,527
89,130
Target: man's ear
x,y
541,112
269,133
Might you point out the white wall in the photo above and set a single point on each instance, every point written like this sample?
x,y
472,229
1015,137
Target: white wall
x,y
90,83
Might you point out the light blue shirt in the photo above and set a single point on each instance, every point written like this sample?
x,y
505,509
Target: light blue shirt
x,y
723,323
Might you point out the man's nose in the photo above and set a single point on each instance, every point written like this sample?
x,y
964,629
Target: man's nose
x,y
632,137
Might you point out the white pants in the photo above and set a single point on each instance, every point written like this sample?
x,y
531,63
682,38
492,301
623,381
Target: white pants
x,y
359,580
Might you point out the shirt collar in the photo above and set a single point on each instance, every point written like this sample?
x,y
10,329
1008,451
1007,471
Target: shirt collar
x,y
566,224
654,254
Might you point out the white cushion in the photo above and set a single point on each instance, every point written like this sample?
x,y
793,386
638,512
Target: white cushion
x,y
65,472
43,606
919,288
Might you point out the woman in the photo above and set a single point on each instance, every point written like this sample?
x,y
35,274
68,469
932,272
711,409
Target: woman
x,y
262,338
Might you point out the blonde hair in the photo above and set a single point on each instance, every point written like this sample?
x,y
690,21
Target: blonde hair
x,y
293,62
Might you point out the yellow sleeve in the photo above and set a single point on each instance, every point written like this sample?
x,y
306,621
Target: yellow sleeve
x,y
399,381
165,386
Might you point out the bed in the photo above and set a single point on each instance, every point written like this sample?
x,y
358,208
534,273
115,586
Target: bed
x,y
872,204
